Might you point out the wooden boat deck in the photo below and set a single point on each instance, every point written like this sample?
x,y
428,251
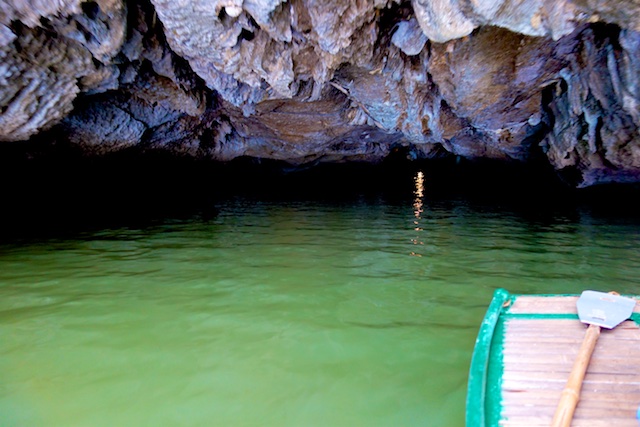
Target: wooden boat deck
x,y
532,350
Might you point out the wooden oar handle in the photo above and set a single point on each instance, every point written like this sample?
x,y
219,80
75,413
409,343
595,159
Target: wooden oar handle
x,y
571,392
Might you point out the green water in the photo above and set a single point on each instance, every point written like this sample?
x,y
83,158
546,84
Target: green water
x,y
359,312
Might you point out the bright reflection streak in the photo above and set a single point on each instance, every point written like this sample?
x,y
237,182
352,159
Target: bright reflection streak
x,y
418,209
419,192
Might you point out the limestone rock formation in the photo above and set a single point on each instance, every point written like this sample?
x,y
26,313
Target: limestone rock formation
x,y
308,81
51,52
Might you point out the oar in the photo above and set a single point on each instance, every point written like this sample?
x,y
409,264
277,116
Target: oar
x,y
598,309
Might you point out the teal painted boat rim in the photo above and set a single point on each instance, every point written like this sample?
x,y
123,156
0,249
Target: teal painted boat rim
x,y
478,371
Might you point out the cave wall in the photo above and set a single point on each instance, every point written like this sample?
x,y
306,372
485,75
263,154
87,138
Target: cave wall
x,y
309,81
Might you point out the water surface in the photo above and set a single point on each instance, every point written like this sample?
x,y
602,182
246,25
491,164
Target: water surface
x,y
358,312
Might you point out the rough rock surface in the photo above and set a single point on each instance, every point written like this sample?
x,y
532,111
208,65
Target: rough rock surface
x,y
308,81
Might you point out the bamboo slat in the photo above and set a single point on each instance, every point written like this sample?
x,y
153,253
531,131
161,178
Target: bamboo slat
x,y
548,305
535,365
544,398
544,422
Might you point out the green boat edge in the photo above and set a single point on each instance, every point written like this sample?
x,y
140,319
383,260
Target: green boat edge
x,y
477,399
477,383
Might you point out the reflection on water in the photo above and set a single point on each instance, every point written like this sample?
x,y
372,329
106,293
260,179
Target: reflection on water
x,y
280,314
417,210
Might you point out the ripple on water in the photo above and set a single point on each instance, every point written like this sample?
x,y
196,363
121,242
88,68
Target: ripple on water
x,y
282,314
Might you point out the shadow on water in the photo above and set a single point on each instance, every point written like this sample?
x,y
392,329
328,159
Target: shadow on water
x,y
59,196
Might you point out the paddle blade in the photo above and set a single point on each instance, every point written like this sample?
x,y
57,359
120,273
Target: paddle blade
x,y
605,310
